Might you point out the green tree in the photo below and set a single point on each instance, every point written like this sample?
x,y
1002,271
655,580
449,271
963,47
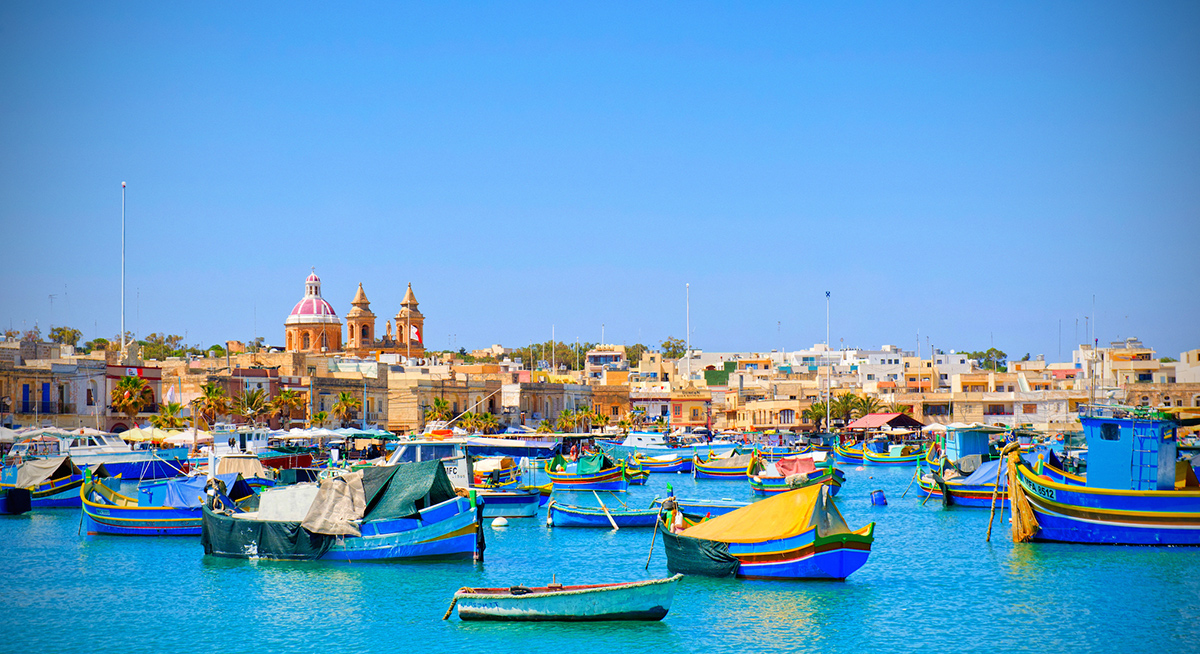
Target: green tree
x,y
251,405
1168,360
990,359
488,423
634,353
65,335
11,334
160,346
544,427
285,405
439,410
131,395
673,348
815,413
899,408
346,406
318,419
95,344
169,416
866,405
842,406
566,421
213,403
34,334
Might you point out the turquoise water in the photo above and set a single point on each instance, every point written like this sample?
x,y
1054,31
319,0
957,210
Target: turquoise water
x,y
932,584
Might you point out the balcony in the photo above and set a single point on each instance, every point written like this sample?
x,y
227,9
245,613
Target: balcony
x,y
45,408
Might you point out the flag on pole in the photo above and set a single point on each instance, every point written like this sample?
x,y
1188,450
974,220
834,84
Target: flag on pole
x,y
414,333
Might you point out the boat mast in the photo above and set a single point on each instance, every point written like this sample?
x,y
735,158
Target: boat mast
x,y
828,374
122,266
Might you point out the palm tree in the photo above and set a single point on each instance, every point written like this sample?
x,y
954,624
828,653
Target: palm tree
x,y
488,423
345,406
815,414
544,427
566,421
213,402
318,419
866,405
285,404
842,406
469,421
660,422
440,410
899,408
131,395
600,420
251,405
169,416
625,424
585,418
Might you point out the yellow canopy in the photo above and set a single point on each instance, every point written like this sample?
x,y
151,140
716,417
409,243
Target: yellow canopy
x,y
785,515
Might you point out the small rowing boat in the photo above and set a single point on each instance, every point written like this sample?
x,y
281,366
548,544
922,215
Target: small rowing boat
x,y
638,600
604,517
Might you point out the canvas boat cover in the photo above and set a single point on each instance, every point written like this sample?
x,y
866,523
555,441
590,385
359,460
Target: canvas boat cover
x,y
484,466
985,474
736,462
593,463
785,515
794,465
38,471
388,492
248,466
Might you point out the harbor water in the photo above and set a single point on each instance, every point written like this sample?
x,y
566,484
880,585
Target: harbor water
x,y
931,583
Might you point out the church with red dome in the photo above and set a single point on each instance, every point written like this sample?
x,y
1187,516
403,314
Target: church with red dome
x,y
313,325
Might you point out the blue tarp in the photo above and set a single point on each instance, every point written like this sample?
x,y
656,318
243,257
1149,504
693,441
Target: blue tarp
x,y
189,491
986,473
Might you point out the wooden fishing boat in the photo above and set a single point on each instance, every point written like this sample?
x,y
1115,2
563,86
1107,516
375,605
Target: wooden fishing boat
x,y
1136,491
896,455
635,474
15,501
591,472
173,507
975,488
382,513
509,503
794,535
53,483
568,515
703,507
735,467
849,454
664,463
496,472
771,454
639,600
783,476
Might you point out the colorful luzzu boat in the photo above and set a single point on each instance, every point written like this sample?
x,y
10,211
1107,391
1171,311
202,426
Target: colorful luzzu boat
x,y
53,483
704,507
849,454
639,600
792,473
496,472
591,472
794,535
895,455
568,515
1136,491
664,463
174,507
771,453
735,467
382,513
509,503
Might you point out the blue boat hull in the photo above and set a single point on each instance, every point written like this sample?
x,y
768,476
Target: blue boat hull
x,y
445,531
574,516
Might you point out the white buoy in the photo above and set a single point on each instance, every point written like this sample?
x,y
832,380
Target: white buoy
x,y
549,521
500,522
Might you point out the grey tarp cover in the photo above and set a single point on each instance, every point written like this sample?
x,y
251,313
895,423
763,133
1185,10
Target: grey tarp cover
x,y
696,556
32,473
397,491
732,463
338,506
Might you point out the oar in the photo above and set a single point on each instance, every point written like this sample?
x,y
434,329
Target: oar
x,y
606,513
654,534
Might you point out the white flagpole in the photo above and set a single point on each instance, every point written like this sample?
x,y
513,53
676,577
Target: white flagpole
x,y
122,266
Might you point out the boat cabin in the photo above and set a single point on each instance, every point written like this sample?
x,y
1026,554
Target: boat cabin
x,y
1128,451
968,441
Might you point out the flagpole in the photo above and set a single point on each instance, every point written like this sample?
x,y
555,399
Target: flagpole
x,y
828,375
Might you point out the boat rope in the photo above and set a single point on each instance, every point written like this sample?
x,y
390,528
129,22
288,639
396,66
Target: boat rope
x,y
654,533
464,590
910,481
1024,522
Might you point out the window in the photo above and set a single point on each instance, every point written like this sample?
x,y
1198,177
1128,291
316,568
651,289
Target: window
x,y
91,399
943,376
616,410
870,377
787,416
695,413
1029,408
1110,432
678,410
306,343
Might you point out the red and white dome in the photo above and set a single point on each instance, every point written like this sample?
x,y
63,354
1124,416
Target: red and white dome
x,y
312,308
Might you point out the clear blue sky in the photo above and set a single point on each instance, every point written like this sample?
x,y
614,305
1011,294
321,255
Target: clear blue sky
x,y
969,170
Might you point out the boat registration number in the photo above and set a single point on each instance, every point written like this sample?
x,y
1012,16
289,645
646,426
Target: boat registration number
x,y
1042,491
